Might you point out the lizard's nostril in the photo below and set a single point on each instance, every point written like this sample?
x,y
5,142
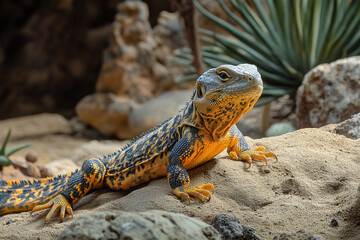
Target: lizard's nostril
x,y
200,91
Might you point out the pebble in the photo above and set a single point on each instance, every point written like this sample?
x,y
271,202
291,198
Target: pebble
x,y
31,156
334,222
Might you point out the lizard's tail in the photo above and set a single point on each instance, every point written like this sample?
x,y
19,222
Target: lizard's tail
x,y
24,195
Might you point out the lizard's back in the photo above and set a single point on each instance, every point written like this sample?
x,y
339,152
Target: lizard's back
x,y
144,158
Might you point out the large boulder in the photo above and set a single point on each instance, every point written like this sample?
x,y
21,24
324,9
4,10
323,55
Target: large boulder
x,y
139,62
107,113
157,110
35,125
139,226
329,93
123,118
138,65
349,128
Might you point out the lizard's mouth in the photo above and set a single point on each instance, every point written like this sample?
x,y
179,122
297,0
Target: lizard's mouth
x,y
234,91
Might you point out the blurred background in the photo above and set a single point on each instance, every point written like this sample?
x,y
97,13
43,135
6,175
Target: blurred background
x,y
122,67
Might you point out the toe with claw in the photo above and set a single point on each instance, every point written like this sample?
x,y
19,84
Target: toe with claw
x,y
202,192
258,153
59,202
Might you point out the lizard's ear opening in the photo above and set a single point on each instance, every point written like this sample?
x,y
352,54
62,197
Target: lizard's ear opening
x,y
200,91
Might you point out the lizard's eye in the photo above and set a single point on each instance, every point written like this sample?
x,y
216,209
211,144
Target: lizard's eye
x,y
223,75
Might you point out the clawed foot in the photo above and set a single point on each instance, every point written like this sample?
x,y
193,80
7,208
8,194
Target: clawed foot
x,y
258,153
202,192
59,202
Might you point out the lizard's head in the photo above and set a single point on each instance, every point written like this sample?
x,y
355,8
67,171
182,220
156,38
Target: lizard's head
x,y
235,87
223,94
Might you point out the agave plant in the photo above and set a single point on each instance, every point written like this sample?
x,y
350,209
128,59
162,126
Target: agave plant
x,y
285,39
4,154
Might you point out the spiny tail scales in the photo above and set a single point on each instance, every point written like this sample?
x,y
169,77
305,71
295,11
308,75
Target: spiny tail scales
x,y
24,195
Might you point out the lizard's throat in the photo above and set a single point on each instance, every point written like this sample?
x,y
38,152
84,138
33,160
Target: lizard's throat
x,y
223,116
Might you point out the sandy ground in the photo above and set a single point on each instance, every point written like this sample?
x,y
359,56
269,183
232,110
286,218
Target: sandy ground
x,y
315,180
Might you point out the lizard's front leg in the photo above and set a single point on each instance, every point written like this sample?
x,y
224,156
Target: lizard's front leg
x,y
239,149
90,176
184,150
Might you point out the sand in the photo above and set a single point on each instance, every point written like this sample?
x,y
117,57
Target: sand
x,y
315,180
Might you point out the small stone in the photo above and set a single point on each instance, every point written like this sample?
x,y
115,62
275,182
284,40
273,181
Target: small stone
x,y
334,222
9,222
31,156
316,237
230,227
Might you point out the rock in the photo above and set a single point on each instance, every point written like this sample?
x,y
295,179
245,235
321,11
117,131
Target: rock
x,y
31,156
58,167
157,110
127,62
35,125
329,93
96,149
107,113
349,128
280,128
301,234
27,168
139,63
334,222
138,226
116,116
230,227
169,35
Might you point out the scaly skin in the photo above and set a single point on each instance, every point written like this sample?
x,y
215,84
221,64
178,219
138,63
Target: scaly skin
x,y
200,131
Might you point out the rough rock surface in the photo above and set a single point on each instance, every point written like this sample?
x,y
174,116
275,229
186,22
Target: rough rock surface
x,y
112,115
36,125
315,180
157,110
137,65
138,226
329,93
299,235
107,113
57,167
230,228
349,128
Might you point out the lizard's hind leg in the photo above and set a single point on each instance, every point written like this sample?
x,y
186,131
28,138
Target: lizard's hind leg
x,y
91,176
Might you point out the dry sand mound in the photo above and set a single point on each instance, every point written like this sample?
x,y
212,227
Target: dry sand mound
x,y
315,181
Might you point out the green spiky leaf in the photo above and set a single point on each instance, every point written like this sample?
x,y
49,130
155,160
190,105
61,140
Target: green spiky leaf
x,y
4,161
17,148
284,39
2,150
